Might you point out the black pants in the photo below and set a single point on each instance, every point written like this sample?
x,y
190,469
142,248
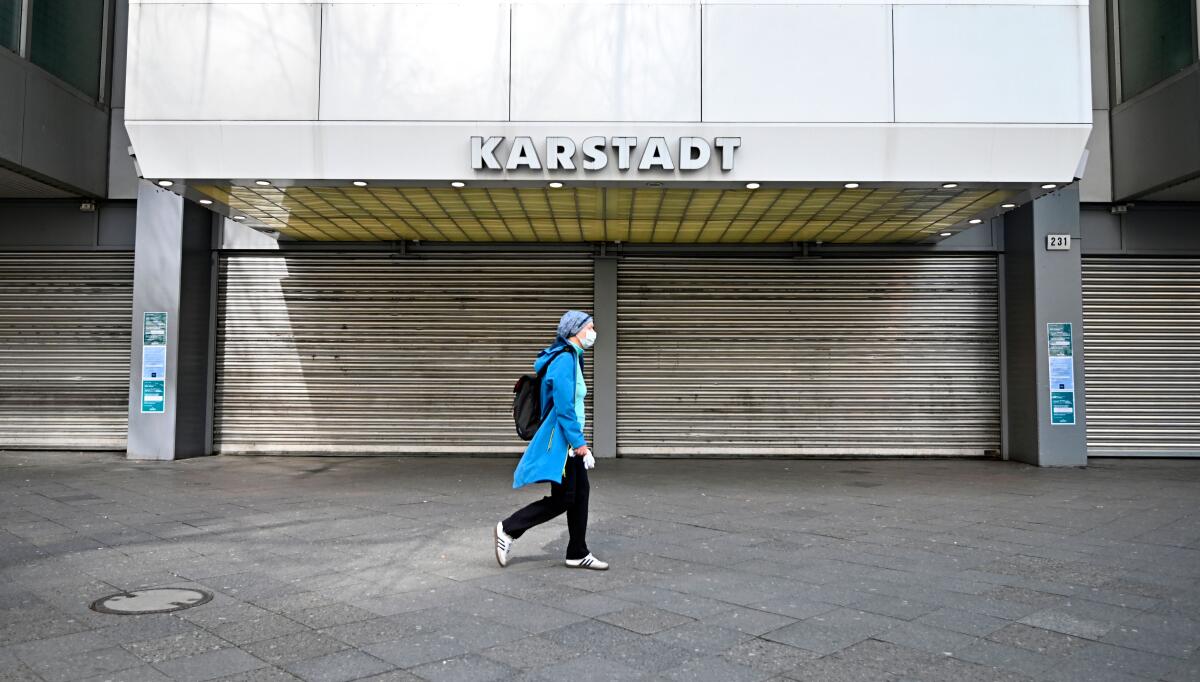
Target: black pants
x,y
570,496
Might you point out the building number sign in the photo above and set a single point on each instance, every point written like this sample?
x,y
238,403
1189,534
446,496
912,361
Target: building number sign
x,y
1058,242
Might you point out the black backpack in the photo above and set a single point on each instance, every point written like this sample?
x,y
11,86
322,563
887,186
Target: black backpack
x,y
527,400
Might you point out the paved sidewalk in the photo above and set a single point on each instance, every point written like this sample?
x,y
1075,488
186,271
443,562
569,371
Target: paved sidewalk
x,y
343,569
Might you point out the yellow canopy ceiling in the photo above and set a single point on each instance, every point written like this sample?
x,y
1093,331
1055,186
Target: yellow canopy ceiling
x,y
674,215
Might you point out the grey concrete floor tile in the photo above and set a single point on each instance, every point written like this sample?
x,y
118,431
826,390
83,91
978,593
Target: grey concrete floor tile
x,y
1041,641
1017,659
591,605
469,668
86,664
829,669
1068,623
338,667
1097,656
906,609
330,615
372,631
529,653
294,647
702,638
175,646
256,629
770,657
820,639
40,651
644,620
419,649
966,622
713,669
210,665
260,675
589,668
926,638
750,621
145,673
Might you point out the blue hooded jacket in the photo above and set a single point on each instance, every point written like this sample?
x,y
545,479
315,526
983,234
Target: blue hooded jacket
x,y
562,424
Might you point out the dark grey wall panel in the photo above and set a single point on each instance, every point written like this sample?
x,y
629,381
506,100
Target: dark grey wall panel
x,y
195,276
1099,231
12,105
1145,230
65,137
1020,320
1156,137
61,226
117,224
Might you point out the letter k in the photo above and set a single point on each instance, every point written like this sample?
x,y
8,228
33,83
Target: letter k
x,y
483,153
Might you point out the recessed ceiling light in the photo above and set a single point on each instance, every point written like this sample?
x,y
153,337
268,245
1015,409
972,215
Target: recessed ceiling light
x,y
458,184
752,185
239,217
1008,205
950,185
263,183
206,202
947,234
359,183
555,185
975,221
1049,185
165,183
851,185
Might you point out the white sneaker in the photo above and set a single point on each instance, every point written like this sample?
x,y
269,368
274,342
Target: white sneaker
x,y
503,544
588,561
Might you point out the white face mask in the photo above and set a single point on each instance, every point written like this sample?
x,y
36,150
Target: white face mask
x,y
588,339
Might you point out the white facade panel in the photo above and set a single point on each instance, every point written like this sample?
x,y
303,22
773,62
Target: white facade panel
x,y
605,62
1015,64
826,63
411,62
769,153
244,61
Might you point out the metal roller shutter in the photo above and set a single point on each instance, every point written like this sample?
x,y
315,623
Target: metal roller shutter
x,y
1141,319
833,356
65,321
371,354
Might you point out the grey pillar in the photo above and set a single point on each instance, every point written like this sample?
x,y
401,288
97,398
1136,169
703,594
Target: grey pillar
x,y
604,358
172,273
1042,287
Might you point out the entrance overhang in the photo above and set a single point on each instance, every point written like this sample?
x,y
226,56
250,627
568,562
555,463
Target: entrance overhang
x,y
630,213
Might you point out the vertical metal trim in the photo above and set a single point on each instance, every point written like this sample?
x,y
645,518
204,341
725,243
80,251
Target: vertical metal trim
x,y
23,40
105,45
210,399
1114,49
1002,301
604,357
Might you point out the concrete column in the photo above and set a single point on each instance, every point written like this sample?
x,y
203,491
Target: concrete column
x,y
604,359
1042,287
172,273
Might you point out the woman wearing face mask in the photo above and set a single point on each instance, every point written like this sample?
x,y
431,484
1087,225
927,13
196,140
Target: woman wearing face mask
x,y
558,453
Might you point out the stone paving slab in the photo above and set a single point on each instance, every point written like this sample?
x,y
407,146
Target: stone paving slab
x,y
381,569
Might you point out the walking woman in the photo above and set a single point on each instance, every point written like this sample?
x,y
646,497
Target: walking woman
x,y
558,453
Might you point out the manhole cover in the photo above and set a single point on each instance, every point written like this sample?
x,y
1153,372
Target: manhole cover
x,y
155,600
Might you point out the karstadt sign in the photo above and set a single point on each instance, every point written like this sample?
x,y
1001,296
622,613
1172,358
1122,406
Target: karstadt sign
x,y
595,153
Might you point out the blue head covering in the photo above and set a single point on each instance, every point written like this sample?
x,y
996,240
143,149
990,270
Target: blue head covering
x,y
572,321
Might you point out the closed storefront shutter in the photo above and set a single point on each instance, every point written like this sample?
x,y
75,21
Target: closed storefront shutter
x,y
65,321
814,356
373,354
1141,320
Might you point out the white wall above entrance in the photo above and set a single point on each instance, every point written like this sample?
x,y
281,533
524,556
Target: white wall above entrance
x,y
986,91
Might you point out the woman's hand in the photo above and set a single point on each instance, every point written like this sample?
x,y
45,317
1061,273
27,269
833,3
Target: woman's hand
x,y
583,451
